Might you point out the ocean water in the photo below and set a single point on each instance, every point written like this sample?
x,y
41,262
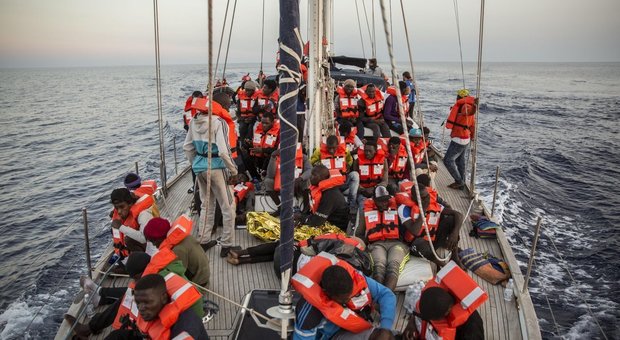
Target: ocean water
x,y
68,136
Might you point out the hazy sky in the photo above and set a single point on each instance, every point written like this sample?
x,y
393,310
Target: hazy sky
x,y
120,32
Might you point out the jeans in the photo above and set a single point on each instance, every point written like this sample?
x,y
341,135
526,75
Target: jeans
x,y
352,184
455,161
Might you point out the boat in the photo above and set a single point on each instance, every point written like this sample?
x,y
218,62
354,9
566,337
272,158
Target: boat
x,y
247,295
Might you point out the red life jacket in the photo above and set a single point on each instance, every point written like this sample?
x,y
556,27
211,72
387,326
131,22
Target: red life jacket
x,y
316,191
418,152
188,108
271,100
118,238
374,106
182,296
127,308
405,186
241,190
371,170
333,236
403,99
307,282
468,296
299,167
350,140
181,228
266,139
433,213
202,105
462,118
336,161
159,261
348,103
381,225
147,187
397,164
245,104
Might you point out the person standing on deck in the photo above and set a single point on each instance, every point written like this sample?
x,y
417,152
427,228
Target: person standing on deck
x,y
265,140
374,69
371,112
189,114
462,123
246,97
223,170
267,98
412,98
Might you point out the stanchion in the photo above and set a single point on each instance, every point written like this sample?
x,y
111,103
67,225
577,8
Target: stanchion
x,y
532,252
87,242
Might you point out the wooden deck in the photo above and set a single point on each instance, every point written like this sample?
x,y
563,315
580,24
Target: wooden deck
x,y
502,319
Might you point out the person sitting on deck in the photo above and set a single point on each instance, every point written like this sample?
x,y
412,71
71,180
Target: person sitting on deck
x,y
348,133
129,217
258,150
423,151
335,156
378,225
138,187
267,98
245,197
346,106
398,164
371,111
337,302
179,239
246,97
371,164
462,122
164,313
447,308
443,223
327,202
391,111
272,182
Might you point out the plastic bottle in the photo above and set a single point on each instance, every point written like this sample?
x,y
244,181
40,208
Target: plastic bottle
x,y
509,291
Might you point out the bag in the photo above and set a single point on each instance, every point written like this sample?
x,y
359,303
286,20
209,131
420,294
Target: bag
x,y
485,265
483,228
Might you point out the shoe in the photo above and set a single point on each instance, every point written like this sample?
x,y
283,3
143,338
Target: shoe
x,y
456,186
190,190
208,245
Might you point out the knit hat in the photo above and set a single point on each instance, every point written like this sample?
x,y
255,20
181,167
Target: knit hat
x,y
250,85
415,133
137,262
462,93
381,193
349,82
132,181
156,229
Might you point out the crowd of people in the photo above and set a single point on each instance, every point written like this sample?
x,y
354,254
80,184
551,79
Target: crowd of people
x,y
360,183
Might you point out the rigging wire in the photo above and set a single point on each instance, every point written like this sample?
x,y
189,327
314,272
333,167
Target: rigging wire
x,y
370,36
162,152
458,32
359,25
262,45
474,139
232,21
217,59
374,31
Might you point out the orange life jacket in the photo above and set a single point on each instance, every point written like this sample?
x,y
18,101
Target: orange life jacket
x,y
245,104
433,213
299,167
397,164
271,100
266,139
371,170
118,238
381,225
188,108
307,283
418,152
202,105
336,161
182,296
348,103
333,236
350,140
180,229
374,106
159,261
468,296
405,186
462,118
147,187
316,191
127,308
241,190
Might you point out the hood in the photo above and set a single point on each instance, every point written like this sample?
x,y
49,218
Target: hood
x,y
201,125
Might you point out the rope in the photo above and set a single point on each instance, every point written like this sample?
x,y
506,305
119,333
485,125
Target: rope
x,y
217,60
404,122
266,318
458,31
359,25
474,149
232,20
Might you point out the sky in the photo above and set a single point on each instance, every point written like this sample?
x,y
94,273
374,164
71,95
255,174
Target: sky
x,y
59,33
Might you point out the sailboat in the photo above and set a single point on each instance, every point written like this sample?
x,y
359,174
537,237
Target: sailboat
x,y
253,303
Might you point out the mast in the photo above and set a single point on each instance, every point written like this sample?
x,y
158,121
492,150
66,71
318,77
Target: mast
x,y
315,59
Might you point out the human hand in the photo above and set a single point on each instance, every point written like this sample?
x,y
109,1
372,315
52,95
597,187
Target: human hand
x,y
116,224
433,167
453,241
232,180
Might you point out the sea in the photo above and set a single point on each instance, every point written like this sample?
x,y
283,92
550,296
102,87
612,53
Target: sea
x,y
69,135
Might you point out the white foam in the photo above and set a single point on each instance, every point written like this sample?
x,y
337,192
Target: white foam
x,y
20,313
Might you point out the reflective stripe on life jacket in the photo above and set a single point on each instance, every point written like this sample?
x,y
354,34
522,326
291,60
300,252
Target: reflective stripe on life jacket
x,y
381,225
269,102
468,296
307,282
336,161
397,164
348,103
299,167
118,238
432,212
189,112
202,105
182,296
374,106
462,118
128,310
147,187
245,104
316,191
181,228
371,171
241,190
266,139
418,152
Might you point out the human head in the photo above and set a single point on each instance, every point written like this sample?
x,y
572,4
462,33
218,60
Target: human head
x,y
372,63
404,89
381,197
406,75
425,197
394,145
197,94
156,230
242,177
435,303
150,296
269,86
424,179
462,93
122,199
332,143
415,135
223,96
370,149
370,90
136,264
132,181
349,86
250,87
319,173
267,121
345,128
426,131
337,284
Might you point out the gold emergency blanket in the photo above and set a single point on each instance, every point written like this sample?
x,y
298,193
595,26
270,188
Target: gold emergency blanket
x,y
267,228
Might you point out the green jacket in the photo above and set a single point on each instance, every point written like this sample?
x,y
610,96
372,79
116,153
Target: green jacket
x,y
194,259
176,267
